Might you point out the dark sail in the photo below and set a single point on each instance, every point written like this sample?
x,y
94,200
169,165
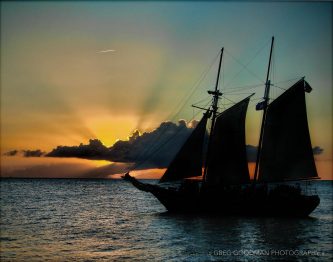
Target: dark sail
x,y
286,148
188,161
227,161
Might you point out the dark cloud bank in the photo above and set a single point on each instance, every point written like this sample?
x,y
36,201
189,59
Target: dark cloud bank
x,y
156,148
153,149
26,153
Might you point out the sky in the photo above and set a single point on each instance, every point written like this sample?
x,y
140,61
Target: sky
x,y
75,71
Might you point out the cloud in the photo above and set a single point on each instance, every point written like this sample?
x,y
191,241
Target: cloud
x,y
159,146
252,152
95,150
317,150
11,153
33,153
107,51
25,153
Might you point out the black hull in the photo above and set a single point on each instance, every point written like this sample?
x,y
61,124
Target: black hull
x,y
301,206
251,203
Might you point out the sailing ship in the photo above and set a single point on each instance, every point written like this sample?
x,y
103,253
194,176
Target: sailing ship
x,y
284,154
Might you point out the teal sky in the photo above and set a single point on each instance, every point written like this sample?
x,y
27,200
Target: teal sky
x,y
57,88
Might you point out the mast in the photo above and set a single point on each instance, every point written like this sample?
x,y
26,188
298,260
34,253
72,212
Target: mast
x,y
265,104
216,94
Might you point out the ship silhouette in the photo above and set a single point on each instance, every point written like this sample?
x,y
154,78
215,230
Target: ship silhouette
x,y
284,154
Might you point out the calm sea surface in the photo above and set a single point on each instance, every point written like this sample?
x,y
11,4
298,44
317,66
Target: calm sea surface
x,y
108,220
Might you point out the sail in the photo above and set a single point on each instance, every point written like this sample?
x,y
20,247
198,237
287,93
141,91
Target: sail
x,y
286,147
188,161
227,160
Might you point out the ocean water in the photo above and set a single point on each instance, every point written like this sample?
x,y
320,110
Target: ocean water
x,y
110,220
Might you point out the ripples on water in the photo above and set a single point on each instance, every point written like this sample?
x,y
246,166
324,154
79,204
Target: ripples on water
x,y
96,220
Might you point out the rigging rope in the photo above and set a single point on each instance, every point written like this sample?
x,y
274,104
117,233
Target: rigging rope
x,y
245,66
159,147
175,113
293,79
273,74
203,100
242,88
279,87
187,96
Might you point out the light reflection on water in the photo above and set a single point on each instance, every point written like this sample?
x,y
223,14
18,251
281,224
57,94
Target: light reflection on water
x,y
90,220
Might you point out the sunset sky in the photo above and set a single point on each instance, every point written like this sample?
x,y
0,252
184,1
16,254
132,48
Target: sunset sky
x,y
74,71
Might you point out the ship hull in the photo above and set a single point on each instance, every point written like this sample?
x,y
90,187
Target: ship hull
x,y
301,206
239,202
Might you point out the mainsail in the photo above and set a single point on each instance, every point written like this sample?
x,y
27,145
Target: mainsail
x,y
188,161
227,161
286,147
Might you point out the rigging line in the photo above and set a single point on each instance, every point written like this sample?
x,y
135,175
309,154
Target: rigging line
x,y
175,113
158,149
273,71
157,138
232,94
245,66
187,96
185,102
203,100
223,75
153,143
150,154
284,89
225,105
255,99
284,81
242,88
163,144
245,86
229,100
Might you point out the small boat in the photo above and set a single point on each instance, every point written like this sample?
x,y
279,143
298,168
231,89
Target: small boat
x,y
284,155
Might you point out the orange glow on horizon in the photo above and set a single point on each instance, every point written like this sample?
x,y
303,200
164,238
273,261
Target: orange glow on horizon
x,y
50,167
110,128
324,168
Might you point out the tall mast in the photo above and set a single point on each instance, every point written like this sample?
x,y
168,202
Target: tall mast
x,y
265,104
216,94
